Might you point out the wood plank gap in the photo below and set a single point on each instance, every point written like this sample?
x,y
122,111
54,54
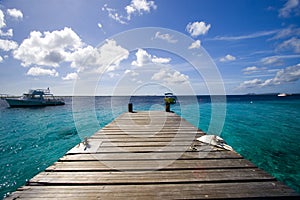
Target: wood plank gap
x,y
149,170
147,159
152,183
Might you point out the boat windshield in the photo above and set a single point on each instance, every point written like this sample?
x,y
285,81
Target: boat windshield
x,y
49,97
168,94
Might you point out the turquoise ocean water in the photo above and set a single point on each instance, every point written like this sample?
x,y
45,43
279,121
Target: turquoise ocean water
x,y
265,129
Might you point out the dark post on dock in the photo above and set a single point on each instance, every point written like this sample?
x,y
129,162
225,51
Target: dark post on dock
x,y
168,107
151,155
130,108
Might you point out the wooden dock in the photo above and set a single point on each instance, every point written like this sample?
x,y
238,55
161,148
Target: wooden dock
x,y
152,155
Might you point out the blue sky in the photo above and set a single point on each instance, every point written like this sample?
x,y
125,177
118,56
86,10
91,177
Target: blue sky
x,y
106,48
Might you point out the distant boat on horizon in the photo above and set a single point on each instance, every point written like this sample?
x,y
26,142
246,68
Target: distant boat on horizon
x,y
35,98
283,94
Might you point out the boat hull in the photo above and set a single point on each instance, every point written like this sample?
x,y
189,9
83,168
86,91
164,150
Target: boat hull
x,y
30,103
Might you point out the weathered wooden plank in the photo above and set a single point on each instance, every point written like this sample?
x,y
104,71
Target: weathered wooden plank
x,y
119,130
146,164
106,146
125,139
267,190
143,130
96,147
146,143
153,155
134,135
145,177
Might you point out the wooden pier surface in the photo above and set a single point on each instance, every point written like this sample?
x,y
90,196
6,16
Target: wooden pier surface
x,y
151,155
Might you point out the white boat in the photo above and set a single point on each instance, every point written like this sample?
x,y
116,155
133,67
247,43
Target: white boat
x,y
37,97
169,98
282,95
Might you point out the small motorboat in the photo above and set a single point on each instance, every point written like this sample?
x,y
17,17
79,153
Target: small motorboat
x,y
169,98
34,98
283,95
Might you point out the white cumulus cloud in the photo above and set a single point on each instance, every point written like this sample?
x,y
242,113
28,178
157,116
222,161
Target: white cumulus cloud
x,y
105,58
17,14
252,69
48,48
251,83
143,58
131,72
70,76
13,13
170,77
139,7
9,32
166,37
158,60
2,20
197,28
38,71
228,57
51,49
7,45
136,7
195,45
